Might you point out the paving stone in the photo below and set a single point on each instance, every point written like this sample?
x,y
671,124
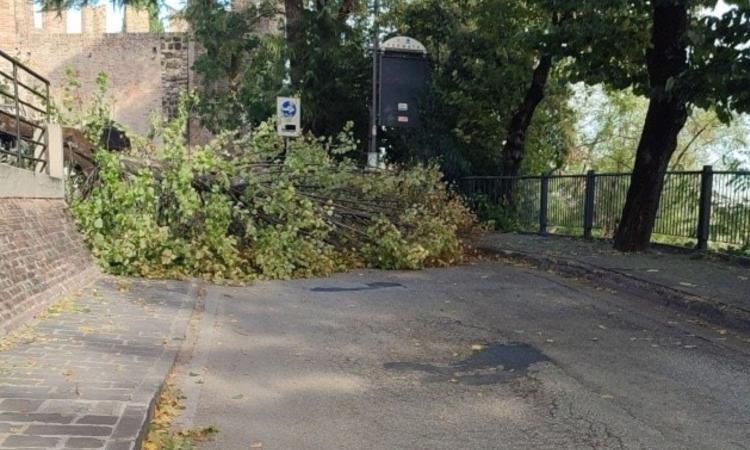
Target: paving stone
x,y
15,441
128,427
84,443
87,378
35,417
69,430
121,445
20,405
98,420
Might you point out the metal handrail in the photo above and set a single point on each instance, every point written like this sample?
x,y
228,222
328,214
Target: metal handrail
x,y
25,68
30,143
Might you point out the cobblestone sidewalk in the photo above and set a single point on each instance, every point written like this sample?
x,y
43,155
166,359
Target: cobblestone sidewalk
x,y
87,375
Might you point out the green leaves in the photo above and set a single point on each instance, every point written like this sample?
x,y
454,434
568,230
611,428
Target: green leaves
x,y
241,70
253,212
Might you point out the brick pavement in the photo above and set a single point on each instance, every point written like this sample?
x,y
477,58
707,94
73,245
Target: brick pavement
x,y
87,374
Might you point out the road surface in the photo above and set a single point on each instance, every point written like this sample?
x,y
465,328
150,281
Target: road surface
x,y
483,356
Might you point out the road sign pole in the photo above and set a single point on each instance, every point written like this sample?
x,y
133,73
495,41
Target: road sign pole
x,y
373,149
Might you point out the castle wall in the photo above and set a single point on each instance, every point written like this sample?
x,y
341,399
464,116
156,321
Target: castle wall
x,y
146,71
94,20
132,61
136,20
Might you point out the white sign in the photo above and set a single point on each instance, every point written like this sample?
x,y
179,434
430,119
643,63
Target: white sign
x,y
288,112
404,44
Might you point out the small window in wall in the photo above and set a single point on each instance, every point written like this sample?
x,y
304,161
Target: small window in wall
x,y
38,16
74,21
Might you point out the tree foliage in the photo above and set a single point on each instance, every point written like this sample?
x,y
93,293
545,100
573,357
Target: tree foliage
x,y
501,76
330,67
481,59
240,69
242,208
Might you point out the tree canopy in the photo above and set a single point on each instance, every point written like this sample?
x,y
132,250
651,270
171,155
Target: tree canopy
x,y
501,98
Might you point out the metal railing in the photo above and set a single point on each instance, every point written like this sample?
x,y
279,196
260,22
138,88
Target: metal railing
x,y
24,114
699,208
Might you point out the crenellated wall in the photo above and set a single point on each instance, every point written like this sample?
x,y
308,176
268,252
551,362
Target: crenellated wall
x,y
145,75
146,71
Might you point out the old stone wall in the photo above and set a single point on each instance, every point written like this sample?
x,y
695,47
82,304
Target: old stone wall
x,y
132,62
137,20
146,71
175,71
42,257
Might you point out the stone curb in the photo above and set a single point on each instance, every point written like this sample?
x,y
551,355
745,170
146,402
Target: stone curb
x,y
706,308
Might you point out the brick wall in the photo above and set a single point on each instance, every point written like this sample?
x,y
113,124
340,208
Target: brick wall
x,y
137,20
147,71
94,20
7,26
43,258
132,62
54,23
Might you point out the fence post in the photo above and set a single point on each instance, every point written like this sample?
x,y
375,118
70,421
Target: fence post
x,y
704,211
588,206
543,200
18,115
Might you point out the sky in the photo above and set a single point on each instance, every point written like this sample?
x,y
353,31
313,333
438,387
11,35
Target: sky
x,y
115,15
721,8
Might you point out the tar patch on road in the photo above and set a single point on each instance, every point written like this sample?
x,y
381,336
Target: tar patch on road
x,y
367,287
496,363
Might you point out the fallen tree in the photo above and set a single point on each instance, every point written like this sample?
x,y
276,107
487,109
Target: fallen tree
x,y
243,208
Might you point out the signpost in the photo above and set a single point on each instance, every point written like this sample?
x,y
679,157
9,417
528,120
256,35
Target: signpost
x,y
372,153
288,113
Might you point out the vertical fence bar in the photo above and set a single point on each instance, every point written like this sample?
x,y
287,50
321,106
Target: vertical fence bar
x,y
543,201
588,206
18,115
47,121
704,211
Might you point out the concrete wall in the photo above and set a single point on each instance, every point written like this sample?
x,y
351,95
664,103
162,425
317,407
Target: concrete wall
x,y
21,183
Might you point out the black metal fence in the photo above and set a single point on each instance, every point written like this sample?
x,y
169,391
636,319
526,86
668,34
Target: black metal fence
x,y
24,114
701,208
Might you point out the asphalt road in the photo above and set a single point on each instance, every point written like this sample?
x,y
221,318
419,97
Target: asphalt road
x,y
484,356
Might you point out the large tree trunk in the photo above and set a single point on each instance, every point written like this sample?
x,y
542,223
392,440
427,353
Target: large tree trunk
x,y
515,142
667,114
294,10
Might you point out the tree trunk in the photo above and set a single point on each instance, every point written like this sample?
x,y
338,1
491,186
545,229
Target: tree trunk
x,y
294,10
515,143
667,114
